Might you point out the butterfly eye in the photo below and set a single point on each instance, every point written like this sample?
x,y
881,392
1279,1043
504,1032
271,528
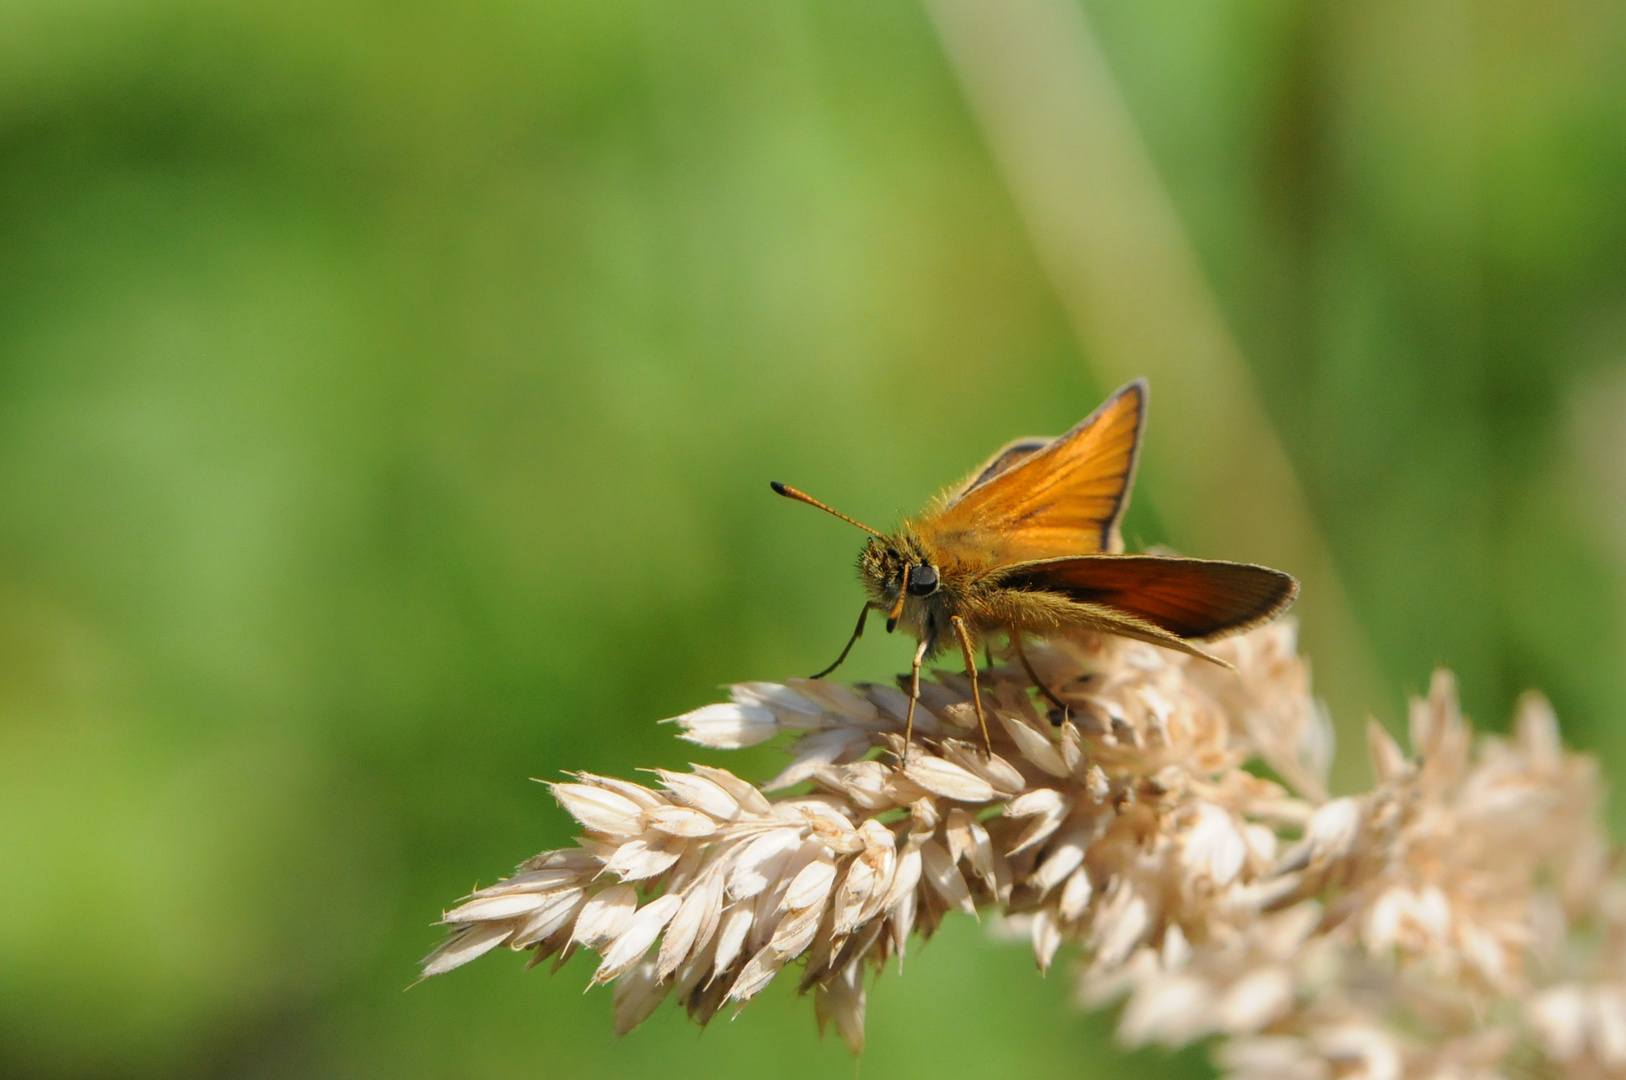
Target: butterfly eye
x,y
922,580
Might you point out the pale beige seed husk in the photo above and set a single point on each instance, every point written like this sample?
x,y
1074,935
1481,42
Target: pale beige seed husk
x,y
1472,890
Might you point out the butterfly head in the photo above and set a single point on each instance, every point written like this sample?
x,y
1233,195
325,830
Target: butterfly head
x,y
901,578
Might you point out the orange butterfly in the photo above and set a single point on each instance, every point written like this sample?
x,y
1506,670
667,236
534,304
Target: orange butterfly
x,y
1029,545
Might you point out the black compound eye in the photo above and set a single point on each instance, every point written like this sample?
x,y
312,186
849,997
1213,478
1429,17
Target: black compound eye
x,y
922,580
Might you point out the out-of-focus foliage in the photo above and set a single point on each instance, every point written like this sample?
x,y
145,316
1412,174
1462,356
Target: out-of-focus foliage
x,y
387,395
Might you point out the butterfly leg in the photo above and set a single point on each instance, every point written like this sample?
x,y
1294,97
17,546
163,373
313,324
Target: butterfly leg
x,y
857,633
971,669
914,694
1033,676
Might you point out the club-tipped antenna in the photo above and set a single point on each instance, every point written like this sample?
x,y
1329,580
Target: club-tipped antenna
x,y
801,496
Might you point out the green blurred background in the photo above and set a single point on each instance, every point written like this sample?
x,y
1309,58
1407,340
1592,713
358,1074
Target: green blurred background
x,y
388,394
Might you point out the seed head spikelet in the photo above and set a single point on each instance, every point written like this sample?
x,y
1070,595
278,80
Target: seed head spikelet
x,y
1431,926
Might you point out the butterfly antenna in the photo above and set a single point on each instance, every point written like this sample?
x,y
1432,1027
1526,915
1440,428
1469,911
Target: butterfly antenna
x,y
801,496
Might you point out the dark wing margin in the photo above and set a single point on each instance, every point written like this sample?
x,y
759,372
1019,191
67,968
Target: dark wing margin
x,y
1110,538
1191,598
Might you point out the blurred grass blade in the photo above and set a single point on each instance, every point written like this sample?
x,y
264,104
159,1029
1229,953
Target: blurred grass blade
x,y
1108,235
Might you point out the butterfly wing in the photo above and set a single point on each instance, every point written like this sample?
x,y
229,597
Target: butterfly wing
x,y
1037,500
1190,598
1006,457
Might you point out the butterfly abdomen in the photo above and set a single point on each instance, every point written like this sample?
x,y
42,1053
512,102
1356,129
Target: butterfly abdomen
x,y
994,608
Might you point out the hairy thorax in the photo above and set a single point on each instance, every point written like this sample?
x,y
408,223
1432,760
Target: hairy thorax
x,y
959,587
966,587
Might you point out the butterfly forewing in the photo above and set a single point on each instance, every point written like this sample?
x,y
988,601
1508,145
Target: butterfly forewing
x,y
1006,457
1192,598
1065,497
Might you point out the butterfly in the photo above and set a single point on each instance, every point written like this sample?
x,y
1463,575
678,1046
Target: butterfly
x,y
1029,546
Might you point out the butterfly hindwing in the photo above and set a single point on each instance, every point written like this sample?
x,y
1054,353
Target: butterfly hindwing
x,y
1190,598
